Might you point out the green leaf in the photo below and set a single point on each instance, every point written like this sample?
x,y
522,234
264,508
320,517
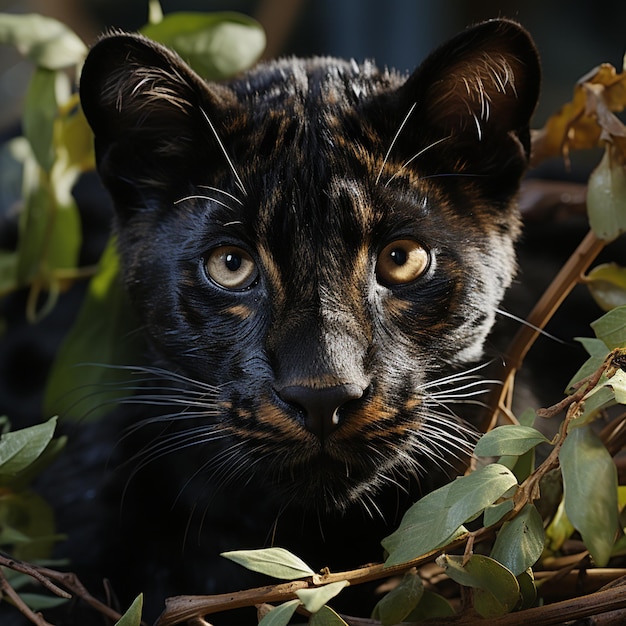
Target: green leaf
x,y
509,440
528,589
132,617
39,602
49,229
520,542
276,562
496,588
314,599
611,328
20,448
606,196
396,605
559,530
40,111
216,45
8,272
27,523
608,392
598,351
281,614
607,284
437,517
326,617
590,491
155,12
104,335
45,41
495,512
431,606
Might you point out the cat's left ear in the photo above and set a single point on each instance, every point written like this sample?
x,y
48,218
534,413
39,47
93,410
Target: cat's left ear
x,y
475,95
149,113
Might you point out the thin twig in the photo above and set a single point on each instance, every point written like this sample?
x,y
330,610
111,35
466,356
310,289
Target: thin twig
x,y
559,289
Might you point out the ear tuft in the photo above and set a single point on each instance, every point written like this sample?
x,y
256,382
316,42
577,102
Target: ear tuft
x,y
484,80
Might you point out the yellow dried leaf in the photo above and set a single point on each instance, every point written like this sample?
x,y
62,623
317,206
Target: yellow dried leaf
x,y
588,119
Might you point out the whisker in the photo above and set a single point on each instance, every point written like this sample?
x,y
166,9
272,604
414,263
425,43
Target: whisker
x,y
416,156
225,153
524,322
201,197
230,195
393,142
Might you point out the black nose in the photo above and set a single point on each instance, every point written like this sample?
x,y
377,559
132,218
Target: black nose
x,y
321,405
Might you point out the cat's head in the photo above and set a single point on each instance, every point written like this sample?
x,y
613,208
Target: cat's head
x,y
321,243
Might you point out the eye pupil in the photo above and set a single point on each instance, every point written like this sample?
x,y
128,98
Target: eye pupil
x,y
398,256
232,261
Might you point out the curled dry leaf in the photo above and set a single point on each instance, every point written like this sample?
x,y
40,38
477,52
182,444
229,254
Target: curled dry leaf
x,y
588,119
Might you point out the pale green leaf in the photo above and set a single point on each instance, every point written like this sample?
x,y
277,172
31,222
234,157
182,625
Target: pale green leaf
x,y
511,440
275,562
437,517
608,392
281,614
314,599
39,602
495,512
44,40
598,351
520,541
87,375
155,12
216,45
396,605
420,530
40,111
431,606
590,491
611,328
528,589
559,529
497,589
606,196
27,522
132,617
326,617
20,448
8,271
607,284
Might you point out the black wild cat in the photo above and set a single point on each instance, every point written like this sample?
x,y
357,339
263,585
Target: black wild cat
x,y
316,251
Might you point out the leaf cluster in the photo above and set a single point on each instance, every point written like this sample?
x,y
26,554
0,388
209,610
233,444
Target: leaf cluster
x,y
56,149
27,527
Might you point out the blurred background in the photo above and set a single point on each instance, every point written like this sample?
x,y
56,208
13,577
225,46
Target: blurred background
x,y
573,36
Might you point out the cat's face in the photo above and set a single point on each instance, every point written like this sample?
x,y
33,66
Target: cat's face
x,y
319,245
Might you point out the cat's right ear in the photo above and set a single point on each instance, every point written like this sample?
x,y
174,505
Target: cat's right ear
x,y
149,113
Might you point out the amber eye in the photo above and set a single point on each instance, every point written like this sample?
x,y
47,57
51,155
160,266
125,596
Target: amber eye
x,y
231,268
401,262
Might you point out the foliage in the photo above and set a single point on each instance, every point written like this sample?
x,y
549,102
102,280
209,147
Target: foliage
x,y
501,506
27,529
56,149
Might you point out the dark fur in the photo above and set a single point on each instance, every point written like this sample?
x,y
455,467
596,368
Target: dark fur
x,y
320,181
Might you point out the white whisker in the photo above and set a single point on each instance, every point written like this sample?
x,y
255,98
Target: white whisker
x,y
230,195
393,142
416,156
225,153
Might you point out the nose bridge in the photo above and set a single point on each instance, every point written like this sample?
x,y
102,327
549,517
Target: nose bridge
x,y
320,344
